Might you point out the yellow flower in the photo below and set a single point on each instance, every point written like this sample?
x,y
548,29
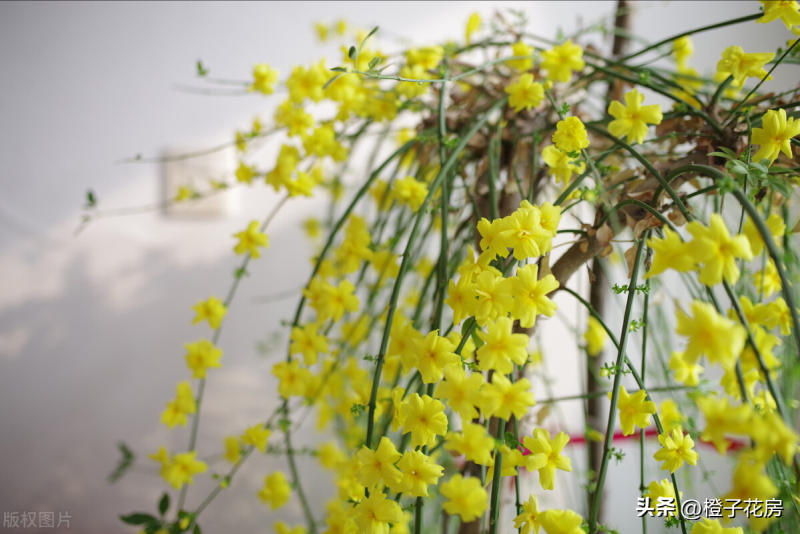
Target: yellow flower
x,y
374,514
530,295
494,297
676,449
750,482
491,238
786,10
686,370
560,61
424,417
775,135
521,49
546,456
712,526
595,336
378,465
410,192
772,436
502,347
634,410
670,415
184,192
503,399
202,355
245,173
461,392
434,353
776,226
418,472
710,334
473,25
233,449
740,65
570,135
528,520
256,436
632,119
322,142
525,93
427,57
276,490
306,341
211,310
474,442
561,522
178,409
285,166
767,281
181,468
292,379
561,164
250,239
682,49
461,298
264,78
723,418
523,231
661,490
465,497
283,528
714,247
307,82
294,118
670,253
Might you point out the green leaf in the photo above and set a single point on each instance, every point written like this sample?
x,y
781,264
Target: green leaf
x,y
138,519
331,81
352,53
370,34
719,155
163,504
339,69
197,529
91,201
124,464
373,62
201,70
478,341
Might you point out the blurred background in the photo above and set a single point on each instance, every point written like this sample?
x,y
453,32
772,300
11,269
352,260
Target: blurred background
x,y
92,325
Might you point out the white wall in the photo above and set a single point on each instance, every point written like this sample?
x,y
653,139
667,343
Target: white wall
x,y
91,328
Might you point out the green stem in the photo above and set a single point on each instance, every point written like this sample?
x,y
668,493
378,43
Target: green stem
x,y
498,468
612,415
691,32
444,171
652,170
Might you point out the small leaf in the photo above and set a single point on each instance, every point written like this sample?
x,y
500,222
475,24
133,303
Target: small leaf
x,y
201,70
719,155
197,529
124,464
339,69
370,34
329,82
138,519
163,504
352,53
91,201
374,61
